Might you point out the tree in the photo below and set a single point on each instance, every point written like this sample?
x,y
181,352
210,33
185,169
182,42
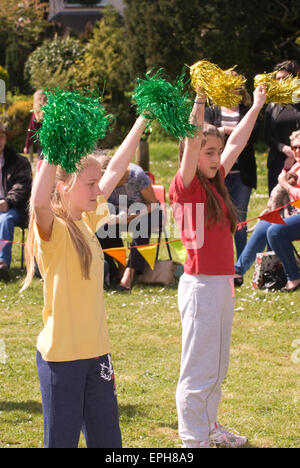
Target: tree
x,y
162,33
255,35
102,68
48,65
21,25
170,33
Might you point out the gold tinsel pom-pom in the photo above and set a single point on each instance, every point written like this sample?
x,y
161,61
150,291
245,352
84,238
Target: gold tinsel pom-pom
x,y
285,91
219,85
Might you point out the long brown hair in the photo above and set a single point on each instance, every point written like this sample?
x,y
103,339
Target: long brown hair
x,y
213,212
60,210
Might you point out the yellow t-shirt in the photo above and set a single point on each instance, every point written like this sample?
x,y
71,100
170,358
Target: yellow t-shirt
x,y
74,318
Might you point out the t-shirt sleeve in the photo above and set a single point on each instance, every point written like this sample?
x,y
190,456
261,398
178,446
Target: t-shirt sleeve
x,y
178,192
142,180
57,236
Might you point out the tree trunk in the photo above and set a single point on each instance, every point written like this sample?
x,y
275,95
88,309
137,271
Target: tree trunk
x,y
142,155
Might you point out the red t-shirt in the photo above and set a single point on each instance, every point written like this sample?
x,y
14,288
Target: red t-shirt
x,y
209,249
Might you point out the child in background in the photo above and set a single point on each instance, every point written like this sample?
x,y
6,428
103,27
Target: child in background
x,y
74,364
206,291
39,100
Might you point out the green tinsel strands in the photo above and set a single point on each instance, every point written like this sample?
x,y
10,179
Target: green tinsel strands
x,y
72,125
168,103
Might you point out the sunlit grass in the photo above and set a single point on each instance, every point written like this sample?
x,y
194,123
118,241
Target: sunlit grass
x,y
261,391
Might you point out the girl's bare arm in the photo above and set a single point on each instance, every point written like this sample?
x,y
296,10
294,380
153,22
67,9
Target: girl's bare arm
x,y
192,146
119,163
41,197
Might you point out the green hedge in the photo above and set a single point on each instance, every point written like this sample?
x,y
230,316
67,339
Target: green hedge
x,y
19,115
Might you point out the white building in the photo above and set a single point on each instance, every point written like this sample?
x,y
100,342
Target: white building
x,y
72,14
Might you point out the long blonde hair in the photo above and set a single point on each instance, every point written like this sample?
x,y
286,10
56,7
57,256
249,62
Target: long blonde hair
x,y
61,211
213,212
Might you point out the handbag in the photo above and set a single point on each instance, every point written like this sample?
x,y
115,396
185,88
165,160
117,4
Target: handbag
x,y
268,272
274,280
165,272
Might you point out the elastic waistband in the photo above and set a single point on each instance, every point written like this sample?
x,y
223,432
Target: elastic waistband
x,y
207,278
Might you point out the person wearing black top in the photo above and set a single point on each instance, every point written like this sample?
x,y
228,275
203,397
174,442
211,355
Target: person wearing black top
x,y
280,122
15,189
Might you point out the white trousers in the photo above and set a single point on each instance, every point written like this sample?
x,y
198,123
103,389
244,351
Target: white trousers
x,y
206,305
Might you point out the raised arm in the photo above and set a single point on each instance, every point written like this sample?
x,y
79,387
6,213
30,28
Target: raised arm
x,y
119,163
241,134
192,146
41,196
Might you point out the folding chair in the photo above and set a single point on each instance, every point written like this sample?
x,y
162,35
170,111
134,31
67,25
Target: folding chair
x,y
160,193
151,176
23,227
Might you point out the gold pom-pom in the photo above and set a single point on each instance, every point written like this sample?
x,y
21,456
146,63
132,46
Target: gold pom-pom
x,y
220,86
285,91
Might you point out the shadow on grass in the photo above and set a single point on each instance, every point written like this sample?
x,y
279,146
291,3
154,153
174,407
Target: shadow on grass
x,y
30,406
134,411
130,411
14,275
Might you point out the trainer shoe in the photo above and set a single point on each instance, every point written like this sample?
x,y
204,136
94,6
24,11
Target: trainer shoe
x,y
222,437
192,444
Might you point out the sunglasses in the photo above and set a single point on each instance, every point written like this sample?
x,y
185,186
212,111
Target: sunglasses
x,y
295,148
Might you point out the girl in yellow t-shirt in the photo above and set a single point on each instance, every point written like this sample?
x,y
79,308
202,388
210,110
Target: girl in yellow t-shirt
x,y
74,364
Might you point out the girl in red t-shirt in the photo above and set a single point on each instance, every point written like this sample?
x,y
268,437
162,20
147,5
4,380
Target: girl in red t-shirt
x,y
206,291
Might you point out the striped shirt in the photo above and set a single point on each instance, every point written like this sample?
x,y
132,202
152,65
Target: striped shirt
x,y
230,119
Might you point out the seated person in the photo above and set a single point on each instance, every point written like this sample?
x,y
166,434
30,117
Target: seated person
x,y
280,197
15,189
133,207
278,236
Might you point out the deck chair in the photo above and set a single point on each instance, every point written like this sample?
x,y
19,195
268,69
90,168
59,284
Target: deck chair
x,y
160,193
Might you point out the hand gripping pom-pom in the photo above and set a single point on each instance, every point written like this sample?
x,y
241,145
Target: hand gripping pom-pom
x,y
285,91
168,103
219,86
72,125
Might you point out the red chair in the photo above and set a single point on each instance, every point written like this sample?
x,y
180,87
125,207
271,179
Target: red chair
x,y
160,193
151,176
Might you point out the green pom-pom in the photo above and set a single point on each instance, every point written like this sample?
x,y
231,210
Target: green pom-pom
x,y
72,125
158,99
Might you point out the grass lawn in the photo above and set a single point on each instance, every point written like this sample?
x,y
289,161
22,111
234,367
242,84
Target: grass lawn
x,y
260,394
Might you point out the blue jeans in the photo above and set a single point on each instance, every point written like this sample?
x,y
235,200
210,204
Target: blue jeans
x,y
279,237
8,221
79,395
240,195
